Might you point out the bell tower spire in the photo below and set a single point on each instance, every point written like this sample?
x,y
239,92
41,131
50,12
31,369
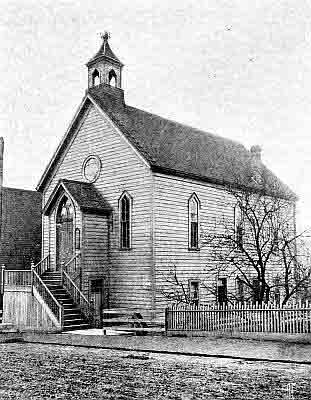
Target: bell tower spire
x,y
105,67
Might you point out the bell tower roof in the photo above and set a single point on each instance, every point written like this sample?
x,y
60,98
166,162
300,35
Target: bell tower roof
x,y
105,67
105,51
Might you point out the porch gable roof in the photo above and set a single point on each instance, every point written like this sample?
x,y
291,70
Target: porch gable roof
x,y
84,194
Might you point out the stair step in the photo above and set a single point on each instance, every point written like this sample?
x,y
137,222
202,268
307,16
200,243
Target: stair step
x,y
70,307
73,318
76,327
63,298
78,321
73,313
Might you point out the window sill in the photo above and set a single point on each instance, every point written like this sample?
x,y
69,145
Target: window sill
x,y
194,249
123,249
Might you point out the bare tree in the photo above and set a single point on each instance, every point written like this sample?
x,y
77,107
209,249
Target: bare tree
x,y
254,245
175,289
257,248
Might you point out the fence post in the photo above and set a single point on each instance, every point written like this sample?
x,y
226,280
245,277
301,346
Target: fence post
x,y
166,320
2,278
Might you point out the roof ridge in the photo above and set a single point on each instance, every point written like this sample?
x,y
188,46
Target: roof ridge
x,y
187,126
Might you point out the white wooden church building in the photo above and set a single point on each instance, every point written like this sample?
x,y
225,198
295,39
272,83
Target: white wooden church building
x,y
127,193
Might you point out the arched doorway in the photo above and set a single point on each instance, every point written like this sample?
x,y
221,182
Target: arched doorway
x,y
64,232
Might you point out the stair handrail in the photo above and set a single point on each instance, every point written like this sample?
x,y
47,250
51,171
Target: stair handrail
x,y
57,308
79,298
73,258
43,265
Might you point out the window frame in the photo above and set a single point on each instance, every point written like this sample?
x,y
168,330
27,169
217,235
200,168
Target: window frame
x,y
129,198
194,198
77,239
240,289
224,284
196,301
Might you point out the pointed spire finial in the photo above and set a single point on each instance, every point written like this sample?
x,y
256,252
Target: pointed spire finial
x,y
105,36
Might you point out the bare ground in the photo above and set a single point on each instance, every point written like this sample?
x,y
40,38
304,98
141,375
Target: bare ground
x,y
31,371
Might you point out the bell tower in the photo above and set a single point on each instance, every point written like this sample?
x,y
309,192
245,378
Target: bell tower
x,y
105,67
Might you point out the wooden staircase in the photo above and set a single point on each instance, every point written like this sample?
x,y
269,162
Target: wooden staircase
x,y
73,319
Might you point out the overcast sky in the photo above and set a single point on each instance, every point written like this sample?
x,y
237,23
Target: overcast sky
x,y
240,69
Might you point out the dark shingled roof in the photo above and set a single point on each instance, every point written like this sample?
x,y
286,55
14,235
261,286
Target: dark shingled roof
x,y
85,194
179,149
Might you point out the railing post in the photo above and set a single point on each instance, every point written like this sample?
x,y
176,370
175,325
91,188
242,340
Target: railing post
x,y
62,264
32,267
61,315
2,278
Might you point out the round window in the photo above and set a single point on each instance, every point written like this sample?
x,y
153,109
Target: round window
x,y
91,168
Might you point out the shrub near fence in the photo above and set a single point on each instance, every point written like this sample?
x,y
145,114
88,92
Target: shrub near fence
x,y
265,318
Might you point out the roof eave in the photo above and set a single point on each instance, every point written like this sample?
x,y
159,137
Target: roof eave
x,y
95,210
218,182
101,56
44,176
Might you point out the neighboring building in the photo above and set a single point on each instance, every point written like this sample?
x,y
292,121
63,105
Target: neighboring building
x,y
128,192
20,224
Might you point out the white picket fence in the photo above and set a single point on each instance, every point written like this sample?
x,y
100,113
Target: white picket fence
x,y
265,318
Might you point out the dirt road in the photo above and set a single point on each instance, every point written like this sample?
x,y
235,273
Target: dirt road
x,y
31,371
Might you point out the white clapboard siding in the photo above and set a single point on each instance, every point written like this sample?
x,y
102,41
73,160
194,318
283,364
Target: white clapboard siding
x,y
95,245
171,195
122,169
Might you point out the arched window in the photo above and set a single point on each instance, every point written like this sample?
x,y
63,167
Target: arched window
x,y
64,231
193,221
112,78
95,78
125,221
65,211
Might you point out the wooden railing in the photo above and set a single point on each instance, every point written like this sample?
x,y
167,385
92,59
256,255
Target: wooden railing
x,y
265,318
78,297
42,266
17,277
49,299
73,268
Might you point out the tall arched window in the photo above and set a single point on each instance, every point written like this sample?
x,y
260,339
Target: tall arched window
x,y
64,231
95,78
112,78
125,221
193,222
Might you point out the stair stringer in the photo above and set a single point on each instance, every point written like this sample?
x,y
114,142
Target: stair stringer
x,y
47,309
